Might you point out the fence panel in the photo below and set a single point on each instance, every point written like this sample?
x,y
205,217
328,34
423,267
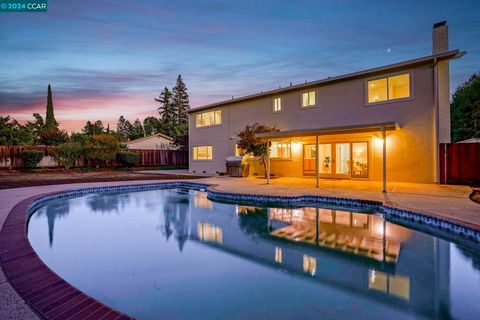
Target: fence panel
x,y
460,163
10,157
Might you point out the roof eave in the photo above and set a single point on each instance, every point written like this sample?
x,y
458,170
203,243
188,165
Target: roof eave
x,y
452,54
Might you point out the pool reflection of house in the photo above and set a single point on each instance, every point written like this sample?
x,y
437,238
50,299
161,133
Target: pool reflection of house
x,y
387,262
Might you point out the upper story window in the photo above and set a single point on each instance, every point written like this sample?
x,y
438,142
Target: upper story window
x,y
281,149
389,88
277,104
202,153
308,99
209,118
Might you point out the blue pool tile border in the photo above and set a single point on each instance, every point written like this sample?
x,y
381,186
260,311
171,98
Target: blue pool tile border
x,y
392,212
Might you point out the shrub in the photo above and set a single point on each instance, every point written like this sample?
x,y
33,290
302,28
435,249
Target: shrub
x,y
101,147
31,157
67,154
53,137
127,158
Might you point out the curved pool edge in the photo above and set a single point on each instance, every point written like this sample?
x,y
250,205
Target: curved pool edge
x,y
49,296
54,298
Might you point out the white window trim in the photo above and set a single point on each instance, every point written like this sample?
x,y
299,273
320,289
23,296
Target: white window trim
x,y
386,76
210,125
205,145
309,106
273,105
282,158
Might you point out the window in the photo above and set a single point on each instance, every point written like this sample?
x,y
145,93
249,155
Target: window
x,y
277,104
399,86
389,88
360,159
202,153
308,99
281,149
209,118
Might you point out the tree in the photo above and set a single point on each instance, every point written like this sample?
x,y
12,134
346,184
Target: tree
x,y
101,147
137,131
151,126
465,110
124,128
95,128
168,114
180,102
67,154
36,127
53,137
12,133
249,144
50,122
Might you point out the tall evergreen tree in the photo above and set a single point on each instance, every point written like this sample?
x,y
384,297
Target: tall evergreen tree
x,y
124,128
137,130
168,114
50,122
180,101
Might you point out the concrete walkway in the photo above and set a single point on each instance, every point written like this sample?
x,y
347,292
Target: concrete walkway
x,y
451,202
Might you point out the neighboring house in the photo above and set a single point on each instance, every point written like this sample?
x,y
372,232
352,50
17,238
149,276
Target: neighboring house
x,y
406,104
155,142
471,140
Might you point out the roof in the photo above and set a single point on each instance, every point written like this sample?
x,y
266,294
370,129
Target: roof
x,y
471,140
453,54
152,136
388,126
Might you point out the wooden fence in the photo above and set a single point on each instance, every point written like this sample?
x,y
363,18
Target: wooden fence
x,y
10,158
460,163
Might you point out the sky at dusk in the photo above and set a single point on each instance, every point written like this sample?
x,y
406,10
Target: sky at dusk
x,y
106,58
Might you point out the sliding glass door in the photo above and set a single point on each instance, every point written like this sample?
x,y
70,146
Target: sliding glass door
x,y
337,160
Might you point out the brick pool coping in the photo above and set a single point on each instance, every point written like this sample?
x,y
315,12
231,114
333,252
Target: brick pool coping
x,y
54,298
41,288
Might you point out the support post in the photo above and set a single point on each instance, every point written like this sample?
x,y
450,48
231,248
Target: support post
x,y
317,164
384,136
268,161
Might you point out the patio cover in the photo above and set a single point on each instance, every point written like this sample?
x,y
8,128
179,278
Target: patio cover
x,y
372,127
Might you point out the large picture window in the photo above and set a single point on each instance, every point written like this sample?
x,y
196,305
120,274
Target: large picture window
x,y
209,118
202,153
281,149
389,88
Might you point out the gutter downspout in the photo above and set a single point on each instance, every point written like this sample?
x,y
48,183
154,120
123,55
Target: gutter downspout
x,y
436,121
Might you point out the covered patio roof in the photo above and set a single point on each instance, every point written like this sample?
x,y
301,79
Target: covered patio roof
x,y
371,127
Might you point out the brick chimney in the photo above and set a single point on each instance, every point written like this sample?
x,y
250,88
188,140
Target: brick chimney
x,y
440,37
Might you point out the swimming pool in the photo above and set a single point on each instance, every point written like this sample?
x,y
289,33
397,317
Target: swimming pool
x,y
174,254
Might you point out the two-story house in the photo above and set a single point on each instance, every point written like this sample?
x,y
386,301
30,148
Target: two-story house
x,y
368,125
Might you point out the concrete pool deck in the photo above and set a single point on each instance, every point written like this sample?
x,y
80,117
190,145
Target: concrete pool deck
x,y
448,202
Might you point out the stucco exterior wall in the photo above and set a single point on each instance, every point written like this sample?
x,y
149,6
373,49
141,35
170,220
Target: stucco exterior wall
x,y
410,149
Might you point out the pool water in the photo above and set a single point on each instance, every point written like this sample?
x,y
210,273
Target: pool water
x,y
174,254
